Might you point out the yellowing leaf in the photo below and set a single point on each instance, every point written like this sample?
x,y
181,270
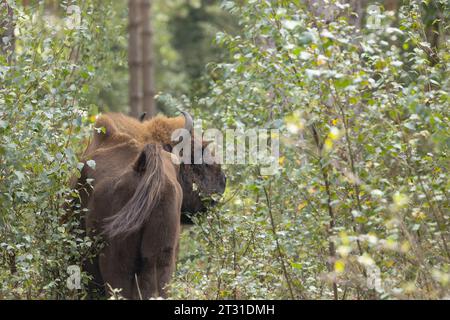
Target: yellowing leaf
x,y
321,60
334,134
339,266
328,144
405,246
301,205
400,200
311,190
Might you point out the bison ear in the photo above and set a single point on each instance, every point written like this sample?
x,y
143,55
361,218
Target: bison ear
x,y
140,164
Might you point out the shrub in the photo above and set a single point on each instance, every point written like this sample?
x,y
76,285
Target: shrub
x,y
44,109
359,207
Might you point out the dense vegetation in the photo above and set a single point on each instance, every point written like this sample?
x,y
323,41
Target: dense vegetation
x,y
359,207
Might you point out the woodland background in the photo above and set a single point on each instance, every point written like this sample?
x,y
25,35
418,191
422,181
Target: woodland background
x,y
360,206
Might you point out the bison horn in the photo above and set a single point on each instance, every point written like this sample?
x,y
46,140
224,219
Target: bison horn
x,y
188,122
142,117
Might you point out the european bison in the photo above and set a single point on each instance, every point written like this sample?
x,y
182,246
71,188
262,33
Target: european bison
x,y
137,199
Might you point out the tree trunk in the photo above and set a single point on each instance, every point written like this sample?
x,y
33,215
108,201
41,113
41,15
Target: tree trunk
x,y
148,84
359,8
134,58
7,25
391,5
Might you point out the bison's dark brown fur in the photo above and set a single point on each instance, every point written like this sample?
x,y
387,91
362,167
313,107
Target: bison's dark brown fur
x,y
136,201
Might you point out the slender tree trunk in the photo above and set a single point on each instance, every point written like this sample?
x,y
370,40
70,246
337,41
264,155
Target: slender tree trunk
x,y
391,5
148,84
134,58
358,7
7,25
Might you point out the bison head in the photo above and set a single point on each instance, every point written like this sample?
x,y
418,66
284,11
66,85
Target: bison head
x,y
201,183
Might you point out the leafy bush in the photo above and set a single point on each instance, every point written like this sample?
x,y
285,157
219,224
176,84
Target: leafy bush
x,y
43,108
359,208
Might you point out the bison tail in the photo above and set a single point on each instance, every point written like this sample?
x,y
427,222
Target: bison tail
x,y
146,197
